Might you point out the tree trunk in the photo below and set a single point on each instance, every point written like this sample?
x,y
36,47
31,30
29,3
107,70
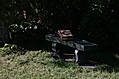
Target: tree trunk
x,y
4,34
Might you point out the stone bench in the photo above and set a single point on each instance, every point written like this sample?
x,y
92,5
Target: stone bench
x,y
81,47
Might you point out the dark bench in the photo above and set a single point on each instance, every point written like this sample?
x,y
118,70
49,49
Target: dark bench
x,y
81,47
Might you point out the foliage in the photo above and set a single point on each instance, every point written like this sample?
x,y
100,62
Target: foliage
x,y
100,24
27,31
93,20
12,48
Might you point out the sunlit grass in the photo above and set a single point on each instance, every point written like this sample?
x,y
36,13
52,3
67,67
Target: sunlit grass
x,y
40,65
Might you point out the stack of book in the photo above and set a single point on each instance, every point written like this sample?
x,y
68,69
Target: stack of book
x,y
65,35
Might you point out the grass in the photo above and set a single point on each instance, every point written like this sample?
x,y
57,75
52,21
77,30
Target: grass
x,y
40,65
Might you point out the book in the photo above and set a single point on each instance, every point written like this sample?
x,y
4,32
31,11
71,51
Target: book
x,y
65,35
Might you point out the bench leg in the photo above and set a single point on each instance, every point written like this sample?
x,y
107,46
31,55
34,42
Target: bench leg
x,y
84,58
55,51
53,54
54,47
81,57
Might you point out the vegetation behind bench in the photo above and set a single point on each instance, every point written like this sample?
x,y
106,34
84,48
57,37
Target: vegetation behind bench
x,y
93,20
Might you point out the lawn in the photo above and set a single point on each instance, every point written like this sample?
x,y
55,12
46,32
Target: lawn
x,y
40,65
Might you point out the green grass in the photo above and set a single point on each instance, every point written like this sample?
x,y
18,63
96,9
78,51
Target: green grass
x,y
40,65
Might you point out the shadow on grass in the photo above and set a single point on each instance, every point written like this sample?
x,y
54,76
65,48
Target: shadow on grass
x,y
108,61
33,45
64,64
